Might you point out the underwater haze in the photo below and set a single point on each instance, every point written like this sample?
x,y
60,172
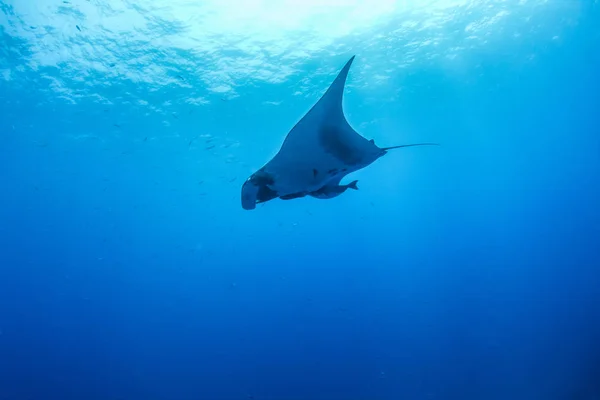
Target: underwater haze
x,y
467,271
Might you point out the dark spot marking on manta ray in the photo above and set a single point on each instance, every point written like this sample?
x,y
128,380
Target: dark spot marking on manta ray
x,y
333,144
315,172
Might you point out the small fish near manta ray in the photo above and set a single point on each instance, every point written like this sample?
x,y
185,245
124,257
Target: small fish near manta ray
x,y
319,151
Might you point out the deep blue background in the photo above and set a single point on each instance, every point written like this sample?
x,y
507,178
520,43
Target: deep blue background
x,y
128,269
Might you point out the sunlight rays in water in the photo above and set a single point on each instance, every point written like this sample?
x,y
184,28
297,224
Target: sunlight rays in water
x,y
220,45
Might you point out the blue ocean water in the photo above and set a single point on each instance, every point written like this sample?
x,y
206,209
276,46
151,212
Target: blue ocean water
x,y
129,270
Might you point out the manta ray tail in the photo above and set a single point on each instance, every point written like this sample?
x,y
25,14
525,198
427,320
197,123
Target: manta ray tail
x,y
410,145
352,185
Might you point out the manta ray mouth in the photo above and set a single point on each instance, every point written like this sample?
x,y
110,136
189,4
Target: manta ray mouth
x,y
249,195
255,191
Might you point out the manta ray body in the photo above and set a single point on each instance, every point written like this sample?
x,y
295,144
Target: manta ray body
x,y
319,151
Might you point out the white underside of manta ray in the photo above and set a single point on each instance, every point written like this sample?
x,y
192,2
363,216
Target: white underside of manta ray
x,y
319,151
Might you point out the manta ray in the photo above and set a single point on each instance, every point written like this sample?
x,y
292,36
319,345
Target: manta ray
x,y
317,153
